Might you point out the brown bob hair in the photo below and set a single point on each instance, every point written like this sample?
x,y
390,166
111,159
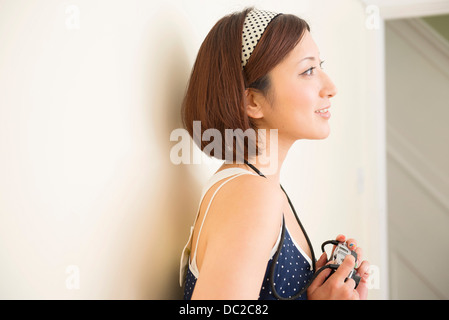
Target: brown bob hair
x,y
216,89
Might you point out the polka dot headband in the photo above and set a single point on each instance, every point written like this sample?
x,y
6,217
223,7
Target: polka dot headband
x,y
256,21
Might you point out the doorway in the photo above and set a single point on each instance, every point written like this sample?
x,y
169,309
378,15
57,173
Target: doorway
x,y
417,140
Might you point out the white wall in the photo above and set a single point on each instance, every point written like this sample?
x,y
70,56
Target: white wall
x,y
90,204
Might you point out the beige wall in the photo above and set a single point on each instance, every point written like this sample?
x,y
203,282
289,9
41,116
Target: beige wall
x,y
91,205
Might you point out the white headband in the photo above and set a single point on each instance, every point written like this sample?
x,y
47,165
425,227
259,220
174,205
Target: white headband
x,y
256,21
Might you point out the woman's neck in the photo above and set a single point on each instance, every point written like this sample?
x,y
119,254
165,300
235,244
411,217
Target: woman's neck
x,y
269,159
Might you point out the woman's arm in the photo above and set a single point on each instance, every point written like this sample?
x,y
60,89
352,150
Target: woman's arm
x,y
243,226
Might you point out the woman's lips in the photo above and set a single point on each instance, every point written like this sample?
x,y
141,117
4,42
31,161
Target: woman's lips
x,y
324,113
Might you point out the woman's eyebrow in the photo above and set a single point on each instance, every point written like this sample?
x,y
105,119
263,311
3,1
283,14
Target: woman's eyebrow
x,y
310,58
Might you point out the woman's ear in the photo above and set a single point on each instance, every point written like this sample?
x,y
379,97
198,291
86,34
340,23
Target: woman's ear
x,y
253,103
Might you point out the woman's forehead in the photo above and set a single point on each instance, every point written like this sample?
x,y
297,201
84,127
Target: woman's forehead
x,y
305,49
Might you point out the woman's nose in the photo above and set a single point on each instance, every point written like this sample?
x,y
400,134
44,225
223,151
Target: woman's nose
x,y
328,89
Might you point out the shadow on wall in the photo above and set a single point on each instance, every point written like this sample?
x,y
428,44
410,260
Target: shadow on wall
x,y
176,190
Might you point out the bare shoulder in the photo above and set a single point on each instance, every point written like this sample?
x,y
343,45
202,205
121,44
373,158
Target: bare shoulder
x,y
248,198
242,227
248,209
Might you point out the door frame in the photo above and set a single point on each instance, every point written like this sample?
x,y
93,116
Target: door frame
x,y
378,12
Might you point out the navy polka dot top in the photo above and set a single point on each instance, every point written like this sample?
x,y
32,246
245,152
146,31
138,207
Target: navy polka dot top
x,y
292,271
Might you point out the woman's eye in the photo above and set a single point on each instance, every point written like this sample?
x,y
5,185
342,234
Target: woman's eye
x,y
310,72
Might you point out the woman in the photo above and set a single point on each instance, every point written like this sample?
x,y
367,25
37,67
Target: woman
x,y
260,72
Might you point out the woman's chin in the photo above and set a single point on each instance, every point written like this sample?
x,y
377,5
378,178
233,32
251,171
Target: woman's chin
x,y
321,135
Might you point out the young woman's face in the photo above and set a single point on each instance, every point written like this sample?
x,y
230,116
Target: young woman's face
x,y
299,88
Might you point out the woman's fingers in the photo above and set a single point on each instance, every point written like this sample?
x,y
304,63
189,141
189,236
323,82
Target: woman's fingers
x,y
322,260
363,270
351,243
345,268
318,281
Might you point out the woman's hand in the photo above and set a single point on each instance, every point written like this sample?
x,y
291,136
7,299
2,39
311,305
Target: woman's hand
x,y
336,286
361,266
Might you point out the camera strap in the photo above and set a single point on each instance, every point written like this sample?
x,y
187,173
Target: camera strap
x,y
276,256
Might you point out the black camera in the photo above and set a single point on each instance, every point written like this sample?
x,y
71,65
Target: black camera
x,y
339,254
